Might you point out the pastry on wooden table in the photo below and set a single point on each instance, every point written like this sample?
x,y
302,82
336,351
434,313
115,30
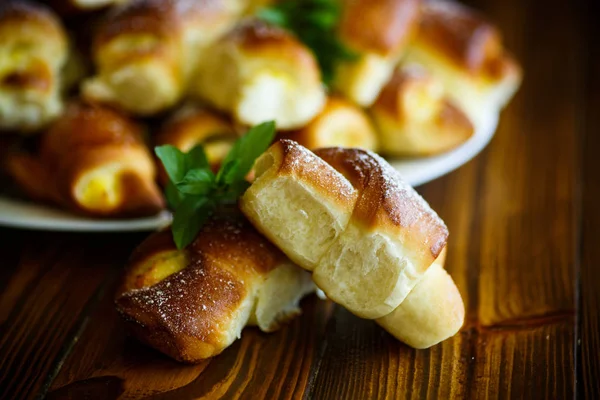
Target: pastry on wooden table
x,y
415,117
191,304
191,126
465,51
377,31
369,239
33,50
259,72
146,50
341,123
92,160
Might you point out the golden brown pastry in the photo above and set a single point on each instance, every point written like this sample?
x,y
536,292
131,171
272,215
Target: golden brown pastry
x,y
462,49
432,312
341,123
191,126
367,236
33,49
147,50
259,73
192,304
93,161
414,116
377,31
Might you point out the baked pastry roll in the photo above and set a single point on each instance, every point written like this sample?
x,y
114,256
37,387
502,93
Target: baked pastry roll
x,y
92,160
258,73
33,49
191,126
341,123
415,117
145,51
462,49
377,31
367,236
432,312
191,304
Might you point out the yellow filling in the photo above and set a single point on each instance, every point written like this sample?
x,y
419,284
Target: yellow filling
x,y
160,267
100,189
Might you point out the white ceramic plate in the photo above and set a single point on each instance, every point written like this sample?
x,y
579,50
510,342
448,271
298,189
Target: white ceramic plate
x,y
23,214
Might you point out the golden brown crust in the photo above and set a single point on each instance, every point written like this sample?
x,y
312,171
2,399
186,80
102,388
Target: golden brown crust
x,y
293,159
385,201
260,39
163,18
340,123
191,127
465,37
13,14
88,137
415,117
378,26
188,315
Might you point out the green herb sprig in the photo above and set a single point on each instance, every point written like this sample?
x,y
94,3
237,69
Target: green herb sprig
x,y
314,22
195,192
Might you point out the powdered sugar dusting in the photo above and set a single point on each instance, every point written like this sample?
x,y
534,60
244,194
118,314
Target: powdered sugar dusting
x,y
308,165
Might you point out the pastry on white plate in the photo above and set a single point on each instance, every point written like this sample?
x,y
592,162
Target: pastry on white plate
x,y
146,51
465,52
341,123
415,117
377,32
33,50
258,72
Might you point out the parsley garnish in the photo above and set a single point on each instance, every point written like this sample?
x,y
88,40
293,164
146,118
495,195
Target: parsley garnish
x,y
314,22
194,191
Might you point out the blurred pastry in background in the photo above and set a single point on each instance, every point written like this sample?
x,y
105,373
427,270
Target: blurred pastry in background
x,y
258,73
462,49
341,123
414,116
192,125
75,7
146,50
33,50
377,31
193,303
92,160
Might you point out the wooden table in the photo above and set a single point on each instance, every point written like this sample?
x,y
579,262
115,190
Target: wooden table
x,y
525,243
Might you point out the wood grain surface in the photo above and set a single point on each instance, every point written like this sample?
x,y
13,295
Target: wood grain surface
x,y
524,218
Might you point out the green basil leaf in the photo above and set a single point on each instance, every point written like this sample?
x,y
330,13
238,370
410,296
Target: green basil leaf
x,y
236,190
247,149
273,16
197,181
174,197
189,218
226,171
173,160
196,158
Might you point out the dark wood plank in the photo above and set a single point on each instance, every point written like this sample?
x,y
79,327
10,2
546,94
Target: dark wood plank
x,y
588,343
509,362
54,282
259,365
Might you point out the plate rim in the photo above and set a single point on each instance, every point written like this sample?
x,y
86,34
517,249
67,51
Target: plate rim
x,y
61,220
